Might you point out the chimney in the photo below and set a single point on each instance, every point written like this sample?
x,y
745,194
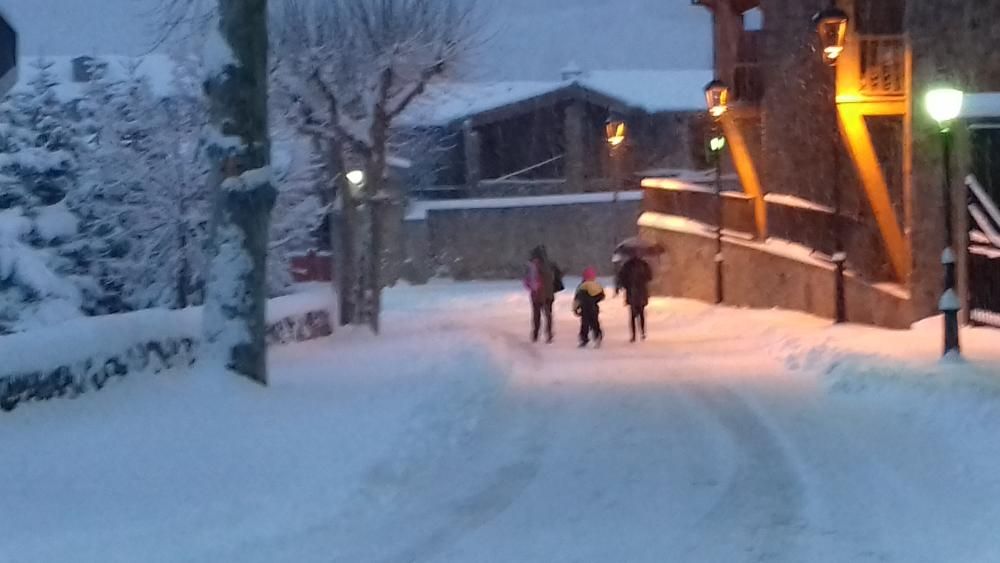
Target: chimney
x,y
571,72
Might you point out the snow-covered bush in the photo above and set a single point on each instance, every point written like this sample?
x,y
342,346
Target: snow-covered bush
x,y
106,194
45,265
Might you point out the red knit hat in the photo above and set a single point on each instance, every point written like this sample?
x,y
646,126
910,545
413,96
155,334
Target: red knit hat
x,y
589,274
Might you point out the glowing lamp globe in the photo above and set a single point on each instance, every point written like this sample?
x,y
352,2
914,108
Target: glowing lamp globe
x,y
616,131
831,25
717,98
944,104
356,178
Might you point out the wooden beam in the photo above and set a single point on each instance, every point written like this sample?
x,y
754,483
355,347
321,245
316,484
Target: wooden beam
x,y
859,143
747,172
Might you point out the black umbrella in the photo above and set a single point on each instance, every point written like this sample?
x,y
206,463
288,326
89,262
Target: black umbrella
x,y
635,246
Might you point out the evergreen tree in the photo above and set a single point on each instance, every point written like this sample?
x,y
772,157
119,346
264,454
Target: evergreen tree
x,y
44,276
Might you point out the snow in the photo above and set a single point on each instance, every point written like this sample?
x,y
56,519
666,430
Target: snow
x,y
156,68
987,203
731,435
949,301
56,222
419,209
675,223
676,184
797,202
986,251
249,180
227,297
443,103
786,249
216,54
947,256
53,299
775,246
988,232
73,341
978,105
893,289
651,91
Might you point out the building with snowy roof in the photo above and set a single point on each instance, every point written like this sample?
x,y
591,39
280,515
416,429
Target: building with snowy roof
x,y
547,137
843,160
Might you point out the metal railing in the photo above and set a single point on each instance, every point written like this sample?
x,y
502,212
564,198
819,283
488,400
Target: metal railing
x,y
883,65
984,255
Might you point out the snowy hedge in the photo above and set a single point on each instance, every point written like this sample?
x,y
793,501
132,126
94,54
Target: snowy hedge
x,y
86,354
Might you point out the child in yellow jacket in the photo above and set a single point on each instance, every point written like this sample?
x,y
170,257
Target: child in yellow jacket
x,y
586,305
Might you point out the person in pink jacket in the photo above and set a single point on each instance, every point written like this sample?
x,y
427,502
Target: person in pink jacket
x,y
543,280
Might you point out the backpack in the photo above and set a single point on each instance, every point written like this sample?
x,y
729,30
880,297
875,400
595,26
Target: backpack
x,y
557,279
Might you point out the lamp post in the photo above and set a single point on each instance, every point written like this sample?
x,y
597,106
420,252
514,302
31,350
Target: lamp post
x,y
831,26
715,146
616,133
717,100
944,105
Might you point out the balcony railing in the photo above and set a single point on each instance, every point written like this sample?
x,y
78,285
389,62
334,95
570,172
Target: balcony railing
x,y
883,65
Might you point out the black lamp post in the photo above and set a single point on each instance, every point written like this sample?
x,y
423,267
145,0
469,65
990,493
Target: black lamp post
x,y
616,133
831,26
717,98
944,105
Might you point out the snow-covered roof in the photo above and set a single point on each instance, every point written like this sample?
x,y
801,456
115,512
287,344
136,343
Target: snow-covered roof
x,y
650,91
444,103
158,69
986,104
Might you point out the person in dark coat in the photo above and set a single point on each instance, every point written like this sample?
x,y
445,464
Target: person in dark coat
x,y
586,305
634,277
542,280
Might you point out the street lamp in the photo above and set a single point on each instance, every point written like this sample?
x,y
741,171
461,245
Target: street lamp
x,y
357,180
831,27
717,98
717,101
616,133
616,130
944,105
715,147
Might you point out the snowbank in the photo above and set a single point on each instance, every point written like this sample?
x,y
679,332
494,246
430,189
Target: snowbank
x,y
419,209
72,357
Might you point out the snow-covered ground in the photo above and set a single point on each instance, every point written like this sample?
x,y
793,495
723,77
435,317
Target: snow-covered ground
x,y
729,436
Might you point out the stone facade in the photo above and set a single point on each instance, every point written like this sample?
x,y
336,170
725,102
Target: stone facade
x,y
753,277
494,243
792,130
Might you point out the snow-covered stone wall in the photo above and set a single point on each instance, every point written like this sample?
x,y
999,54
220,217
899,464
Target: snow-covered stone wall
x,y
83,355
763,274
491,238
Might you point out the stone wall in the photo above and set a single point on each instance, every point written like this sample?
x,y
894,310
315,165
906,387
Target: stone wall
x,y
756,278
175,346
494,243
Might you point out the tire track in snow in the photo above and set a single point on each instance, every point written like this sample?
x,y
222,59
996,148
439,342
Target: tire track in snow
x,y
759,515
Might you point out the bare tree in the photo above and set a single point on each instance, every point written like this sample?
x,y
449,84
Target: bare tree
x,y
348,69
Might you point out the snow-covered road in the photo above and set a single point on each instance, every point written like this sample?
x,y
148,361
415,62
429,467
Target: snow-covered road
x,y
733,436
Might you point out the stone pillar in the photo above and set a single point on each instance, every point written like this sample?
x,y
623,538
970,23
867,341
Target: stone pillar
x,y
573,159
473,154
